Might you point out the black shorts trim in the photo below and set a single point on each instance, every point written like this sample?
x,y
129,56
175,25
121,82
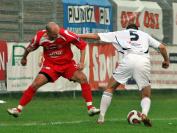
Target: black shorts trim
x,y
47,76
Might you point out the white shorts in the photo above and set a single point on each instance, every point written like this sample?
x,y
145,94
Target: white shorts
x,y
136,66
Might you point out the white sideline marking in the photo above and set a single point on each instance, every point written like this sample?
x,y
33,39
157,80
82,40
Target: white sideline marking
x,y
72,122
2,101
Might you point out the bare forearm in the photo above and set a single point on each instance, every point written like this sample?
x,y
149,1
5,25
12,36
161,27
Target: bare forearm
x,y
163,52
25,54
89,36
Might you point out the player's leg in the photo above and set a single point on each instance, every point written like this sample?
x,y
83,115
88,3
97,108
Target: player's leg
x,y
146,104
106,99
145,100
28,94
81,78
120,76
72,73
142,77
47,74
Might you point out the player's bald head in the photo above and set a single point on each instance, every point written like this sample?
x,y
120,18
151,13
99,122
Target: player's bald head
x,y
52,27
52,30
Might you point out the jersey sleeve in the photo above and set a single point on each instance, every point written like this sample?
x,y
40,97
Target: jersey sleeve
x,y
107,37
34,44
153,42
75,40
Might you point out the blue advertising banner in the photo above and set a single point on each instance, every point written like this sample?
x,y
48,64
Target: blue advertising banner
x,y
84,16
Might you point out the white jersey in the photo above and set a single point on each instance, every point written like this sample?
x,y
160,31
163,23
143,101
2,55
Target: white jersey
x,y
130,41
134,45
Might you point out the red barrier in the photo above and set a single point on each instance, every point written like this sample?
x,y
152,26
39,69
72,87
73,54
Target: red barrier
x,y
103,61
3,59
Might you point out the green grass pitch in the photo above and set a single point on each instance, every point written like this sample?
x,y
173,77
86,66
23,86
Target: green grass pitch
x,y
65,114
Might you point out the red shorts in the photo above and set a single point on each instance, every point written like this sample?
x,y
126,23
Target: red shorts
x,y
54,71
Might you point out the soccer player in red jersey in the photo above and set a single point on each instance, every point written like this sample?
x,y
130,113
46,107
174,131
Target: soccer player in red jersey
x,y
56,43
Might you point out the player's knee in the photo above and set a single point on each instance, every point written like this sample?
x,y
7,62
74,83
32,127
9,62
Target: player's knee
x,y
82,78
110,90
146,94
35,85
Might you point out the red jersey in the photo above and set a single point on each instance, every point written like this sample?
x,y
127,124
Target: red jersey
x,y
59,50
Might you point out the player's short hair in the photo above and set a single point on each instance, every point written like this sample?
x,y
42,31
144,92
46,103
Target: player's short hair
x,y
132,26
47,28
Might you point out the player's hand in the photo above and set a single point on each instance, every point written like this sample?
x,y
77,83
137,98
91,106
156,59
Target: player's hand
x,y
23,61
165,64
80,66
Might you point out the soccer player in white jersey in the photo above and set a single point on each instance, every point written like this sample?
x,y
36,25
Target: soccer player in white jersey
x,y
134,45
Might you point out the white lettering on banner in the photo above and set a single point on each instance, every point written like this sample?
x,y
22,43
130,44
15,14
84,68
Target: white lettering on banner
x,y
95,30
109,65
82,30
102,61
79,30
88,13
103,64
74,29
2,61
95,64
85,30
87,63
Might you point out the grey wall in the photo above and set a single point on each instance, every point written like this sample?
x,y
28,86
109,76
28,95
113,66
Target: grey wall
x,y
20,19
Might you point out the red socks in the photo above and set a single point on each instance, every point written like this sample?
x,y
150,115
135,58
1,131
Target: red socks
x,y
30,92
27,96
87,94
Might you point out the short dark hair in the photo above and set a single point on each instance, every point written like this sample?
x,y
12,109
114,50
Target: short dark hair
x,y
132,26
47,27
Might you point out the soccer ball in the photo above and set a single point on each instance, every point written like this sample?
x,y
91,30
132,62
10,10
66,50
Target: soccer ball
x,y
134,117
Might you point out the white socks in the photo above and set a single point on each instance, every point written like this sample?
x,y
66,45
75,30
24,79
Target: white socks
x,y
105,102
145,105
107,97
20,107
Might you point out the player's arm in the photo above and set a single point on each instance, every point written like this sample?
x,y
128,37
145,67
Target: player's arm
x,y
79,43
108,37
94,36
24,58
31,47
82,59
163,51
156,44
